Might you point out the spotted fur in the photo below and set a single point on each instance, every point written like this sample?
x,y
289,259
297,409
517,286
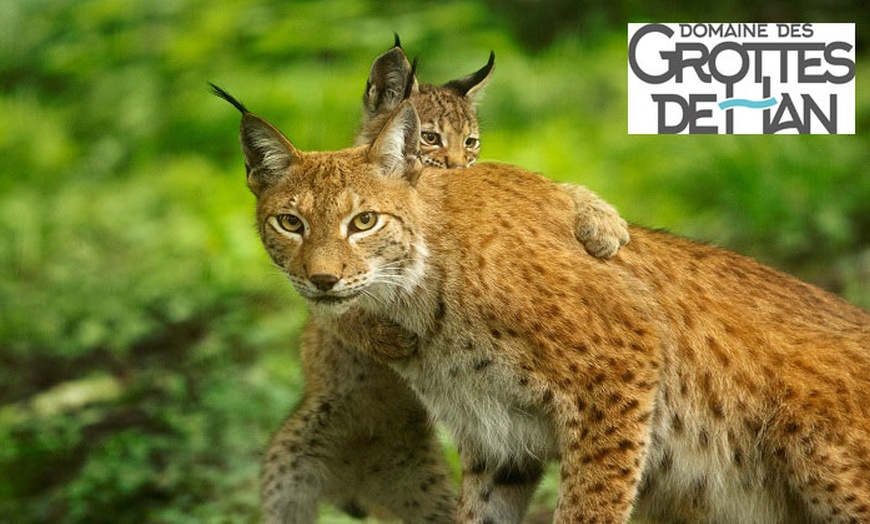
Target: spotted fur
x,y
678,382
318,456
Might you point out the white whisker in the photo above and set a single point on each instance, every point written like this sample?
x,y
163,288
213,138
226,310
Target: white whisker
x,y
381,302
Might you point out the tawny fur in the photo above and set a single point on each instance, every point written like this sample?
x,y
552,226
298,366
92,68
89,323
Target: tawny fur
x,y
677,381
359,452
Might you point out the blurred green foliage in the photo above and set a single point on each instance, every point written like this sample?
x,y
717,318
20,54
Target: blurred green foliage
x,y
147,348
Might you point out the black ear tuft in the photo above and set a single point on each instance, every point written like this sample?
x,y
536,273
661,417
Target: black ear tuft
x,y
268,153
469,85
411,80
398,43
217,91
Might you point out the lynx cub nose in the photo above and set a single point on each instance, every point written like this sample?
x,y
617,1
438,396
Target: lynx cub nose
x,y
323,282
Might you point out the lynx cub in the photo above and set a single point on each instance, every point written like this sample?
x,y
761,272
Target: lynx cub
x,y
677,382
360,438
450,136
449,133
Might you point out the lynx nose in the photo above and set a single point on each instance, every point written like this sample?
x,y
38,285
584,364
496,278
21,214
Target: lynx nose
x,y
323,282
455,161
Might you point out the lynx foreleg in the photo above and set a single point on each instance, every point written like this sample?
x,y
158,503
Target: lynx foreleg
x,y
604,442
359,439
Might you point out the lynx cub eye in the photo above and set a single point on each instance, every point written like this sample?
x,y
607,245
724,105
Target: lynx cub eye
x,y
472,142
430,138
290,223
363,221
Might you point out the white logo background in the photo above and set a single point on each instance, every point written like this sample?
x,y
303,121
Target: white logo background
x,y
764,66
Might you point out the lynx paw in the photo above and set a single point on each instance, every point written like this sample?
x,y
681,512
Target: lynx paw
x,y
601,230
378,338
597,224
393,341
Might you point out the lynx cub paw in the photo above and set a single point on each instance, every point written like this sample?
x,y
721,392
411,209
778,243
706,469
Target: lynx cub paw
x,y
394,340
597,224
378,337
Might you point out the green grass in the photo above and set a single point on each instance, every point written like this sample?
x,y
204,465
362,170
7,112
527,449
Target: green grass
x,y
148,348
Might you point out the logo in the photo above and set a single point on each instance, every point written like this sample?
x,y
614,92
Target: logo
x,y
741,78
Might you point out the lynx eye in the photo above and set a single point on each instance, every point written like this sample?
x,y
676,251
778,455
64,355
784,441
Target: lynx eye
x,y
363,222
430,138
290,223
472,142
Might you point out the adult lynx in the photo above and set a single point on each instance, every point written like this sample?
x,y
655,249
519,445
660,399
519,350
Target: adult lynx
x,y
677,381
360,438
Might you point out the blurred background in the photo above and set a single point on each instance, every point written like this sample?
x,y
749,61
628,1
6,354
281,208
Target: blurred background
x,y
147,347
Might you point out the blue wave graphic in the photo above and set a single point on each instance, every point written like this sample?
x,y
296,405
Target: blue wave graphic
x,y
752,104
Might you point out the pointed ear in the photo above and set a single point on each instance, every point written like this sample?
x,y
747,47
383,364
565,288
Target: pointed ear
x,y
268,154
473,84
391,77
397,148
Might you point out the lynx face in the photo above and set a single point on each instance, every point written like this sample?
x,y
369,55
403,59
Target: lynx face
x,y
340,239
449,132
348,244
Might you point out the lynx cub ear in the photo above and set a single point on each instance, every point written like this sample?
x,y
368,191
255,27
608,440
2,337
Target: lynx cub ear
x,y
268,154
473,84
390,81
397,148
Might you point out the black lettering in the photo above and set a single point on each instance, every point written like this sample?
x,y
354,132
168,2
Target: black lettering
x,y
744,62
839,61
697,63
662,101
804,63
689,114
811,108
694,128
632,54
779,125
